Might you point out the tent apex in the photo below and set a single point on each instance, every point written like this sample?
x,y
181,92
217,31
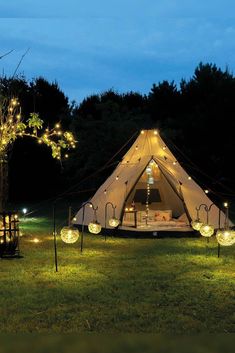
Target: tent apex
x,y
154,131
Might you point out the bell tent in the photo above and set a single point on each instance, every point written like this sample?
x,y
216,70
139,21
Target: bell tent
x,y
149,191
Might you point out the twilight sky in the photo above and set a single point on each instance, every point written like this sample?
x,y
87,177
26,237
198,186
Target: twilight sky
x,y
89,46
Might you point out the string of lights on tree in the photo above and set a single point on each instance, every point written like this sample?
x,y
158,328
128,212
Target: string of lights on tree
x,y
13,125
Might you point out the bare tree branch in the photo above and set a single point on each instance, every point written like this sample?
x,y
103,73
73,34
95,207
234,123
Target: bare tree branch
x,y
19,63
2,56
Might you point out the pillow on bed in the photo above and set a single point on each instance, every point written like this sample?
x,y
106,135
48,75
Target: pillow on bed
x,y
142,216
165,215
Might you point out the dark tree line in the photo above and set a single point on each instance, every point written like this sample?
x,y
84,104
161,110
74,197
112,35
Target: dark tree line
x,y
197,116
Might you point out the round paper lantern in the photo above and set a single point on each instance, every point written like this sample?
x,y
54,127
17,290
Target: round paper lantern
x,y
196,225
94,227
69,235
114,222
207,230
225,237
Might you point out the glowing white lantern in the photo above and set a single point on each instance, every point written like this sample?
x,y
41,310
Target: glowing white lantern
x,y
94,227
114,222
196,225
148,170
69,235
225,237
207,230
151,180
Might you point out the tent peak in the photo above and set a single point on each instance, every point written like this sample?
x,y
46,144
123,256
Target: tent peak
x,y
154,131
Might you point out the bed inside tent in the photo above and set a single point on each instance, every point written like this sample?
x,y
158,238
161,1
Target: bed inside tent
x,y
154,204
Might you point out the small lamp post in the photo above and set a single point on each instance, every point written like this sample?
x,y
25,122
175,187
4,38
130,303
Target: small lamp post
x,y
69,234
113,222
94,226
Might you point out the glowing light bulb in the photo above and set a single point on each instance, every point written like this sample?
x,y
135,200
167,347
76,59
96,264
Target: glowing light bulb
x,y
225,237
155,132
206,191
142,132
196,225
226,204
69,235
148,170
24,210
94,227
206,230
114,222
36,240
189,178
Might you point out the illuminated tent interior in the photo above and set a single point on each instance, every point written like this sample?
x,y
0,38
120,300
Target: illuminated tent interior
x,y
151,192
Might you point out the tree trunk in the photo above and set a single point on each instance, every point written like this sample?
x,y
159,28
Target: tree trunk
x,y
3,181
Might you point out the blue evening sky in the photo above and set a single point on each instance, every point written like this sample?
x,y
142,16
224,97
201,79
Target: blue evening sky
x,y
93,45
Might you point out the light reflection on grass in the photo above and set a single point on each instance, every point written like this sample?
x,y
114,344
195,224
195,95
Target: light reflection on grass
x,y
121,285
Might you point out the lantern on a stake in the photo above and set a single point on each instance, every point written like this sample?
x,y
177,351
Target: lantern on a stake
x,y
225,237
69,235
94,227
206,230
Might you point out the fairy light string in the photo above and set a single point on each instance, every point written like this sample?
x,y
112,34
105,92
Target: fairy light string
x,y
13,125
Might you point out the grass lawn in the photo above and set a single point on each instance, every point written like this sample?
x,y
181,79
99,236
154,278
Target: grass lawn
x,y
121,285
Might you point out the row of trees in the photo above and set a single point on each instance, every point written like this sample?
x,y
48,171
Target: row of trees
x,y
197,116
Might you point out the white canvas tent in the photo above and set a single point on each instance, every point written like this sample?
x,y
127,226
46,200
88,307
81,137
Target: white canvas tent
x,y
171,186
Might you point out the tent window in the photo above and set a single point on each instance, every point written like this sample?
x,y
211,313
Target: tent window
x,y
140,196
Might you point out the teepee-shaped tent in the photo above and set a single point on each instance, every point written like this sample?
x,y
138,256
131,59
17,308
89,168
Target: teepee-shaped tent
x,y
150,190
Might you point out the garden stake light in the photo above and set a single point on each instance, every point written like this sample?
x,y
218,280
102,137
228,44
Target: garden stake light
x,y
113,222
93,227
54,237
206,230
69,234
226,236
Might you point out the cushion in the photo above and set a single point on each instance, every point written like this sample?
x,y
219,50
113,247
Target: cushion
x,y
141,216
165,215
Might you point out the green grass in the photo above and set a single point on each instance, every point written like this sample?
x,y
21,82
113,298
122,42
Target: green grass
x,y
121,285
